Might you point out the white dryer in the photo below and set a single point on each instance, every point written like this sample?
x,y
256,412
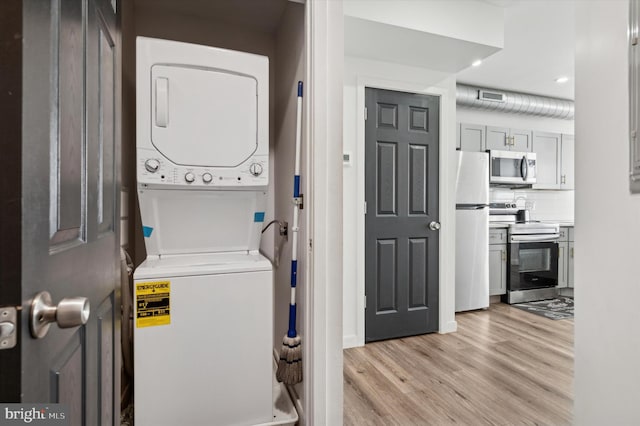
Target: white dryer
x,y
203,320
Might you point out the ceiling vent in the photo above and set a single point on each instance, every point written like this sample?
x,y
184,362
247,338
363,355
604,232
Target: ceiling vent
x,y
513,102
485,95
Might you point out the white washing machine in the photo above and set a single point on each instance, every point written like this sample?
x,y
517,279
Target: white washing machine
x,y
203,320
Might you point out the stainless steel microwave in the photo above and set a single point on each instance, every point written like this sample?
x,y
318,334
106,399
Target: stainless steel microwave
x,y
512,168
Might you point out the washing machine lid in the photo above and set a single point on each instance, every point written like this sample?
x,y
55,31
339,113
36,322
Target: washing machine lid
x,y
203,116
201,264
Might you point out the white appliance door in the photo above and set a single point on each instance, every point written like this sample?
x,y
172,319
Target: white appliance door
x,y
203,116
472,259
472,180
211,364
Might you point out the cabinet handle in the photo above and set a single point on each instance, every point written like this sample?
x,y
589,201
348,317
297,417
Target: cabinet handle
x,y
571,254
563,179
504,255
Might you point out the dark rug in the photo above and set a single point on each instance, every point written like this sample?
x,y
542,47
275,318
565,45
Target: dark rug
x,y
555,309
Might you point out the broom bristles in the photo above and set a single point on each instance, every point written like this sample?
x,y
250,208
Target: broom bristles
x,y
290,363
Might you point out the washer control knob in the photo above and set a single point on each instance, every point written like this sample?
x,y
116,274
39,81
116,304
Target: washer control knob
x,y
152,165
207,178
189,177
255,169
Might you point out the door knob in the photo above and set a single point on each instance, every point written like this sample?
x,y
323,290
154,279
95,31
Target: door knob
x,y
434,226
70,312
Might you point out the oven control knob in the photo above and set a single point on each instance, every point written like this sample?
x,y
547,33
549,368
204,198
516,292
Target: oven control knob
x,y
152,165
255,169
434,226
189,177
207,178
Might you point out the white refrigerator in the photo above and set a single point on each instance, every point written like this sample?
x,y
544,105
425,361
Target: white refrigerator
x,y
472,231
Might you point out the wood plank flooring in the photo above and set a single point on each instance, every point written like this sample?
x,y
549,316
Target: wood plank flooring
x,y
503,366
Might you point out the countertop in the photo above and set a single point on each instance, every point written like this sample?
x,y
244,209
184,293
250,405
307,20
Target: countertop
x,y
504,225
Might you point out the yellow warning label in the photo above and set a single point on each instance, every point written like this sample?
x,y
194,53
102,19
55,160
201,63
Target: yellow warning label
x,y
153,301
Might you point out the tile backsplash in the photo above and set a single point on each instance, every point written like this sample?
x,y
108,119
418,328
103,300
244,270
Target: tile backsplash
x,y
544,205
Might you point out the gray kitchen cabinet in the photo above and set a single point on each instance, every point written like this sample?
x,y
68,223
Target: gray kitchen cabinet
x,y
497,269
497,262
570,281
567,160
498,138
521,140
555,157
471,137
506,139
563,264
546,146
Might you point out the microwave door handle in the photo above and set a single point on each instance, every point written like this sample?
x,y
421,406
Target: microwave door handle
x,y
524,171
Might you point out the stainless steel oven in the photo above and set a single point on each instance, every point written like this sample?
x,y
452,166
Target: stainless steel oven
x,y
532,266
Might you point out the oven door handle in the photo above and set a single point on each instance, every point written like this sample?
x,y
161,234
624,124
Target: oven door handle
x,y
535,238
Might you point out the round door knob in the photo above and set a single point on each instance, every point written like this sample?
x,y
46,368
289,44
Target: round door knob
x,y
207,178
255,169
152,165
70,312
434,226
189,177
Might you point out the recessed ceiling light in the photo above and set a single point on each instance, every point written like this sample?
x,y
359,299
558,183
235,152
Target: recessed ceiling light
x,y
561,80
476,63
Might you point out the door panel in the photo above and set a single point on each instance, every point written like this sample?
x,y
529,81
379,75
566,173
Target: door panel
x,y
472,137
401,162
67,148
497,138
70,178
547,149
521,140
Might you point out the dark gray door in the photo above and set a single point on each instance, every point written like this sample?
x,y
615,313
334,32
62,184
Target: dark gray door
x,y
69,208
401,191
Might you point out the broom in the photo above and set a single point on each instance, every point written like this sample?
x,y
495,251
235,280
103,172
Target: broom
x,y
290,363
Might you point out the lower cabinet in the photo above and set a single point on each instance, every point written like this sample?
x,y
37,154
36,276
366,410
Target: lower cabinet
x,y
565,258
570,265
497,269
563,266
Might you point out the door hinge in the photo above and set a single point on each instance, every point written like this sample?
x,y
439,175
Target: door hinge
x,y
8,327
365,301
366,114
365,207
310,244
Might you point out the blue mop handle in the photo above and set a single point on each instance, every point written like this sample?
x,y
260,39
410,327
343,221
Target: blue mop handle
x,y
296,208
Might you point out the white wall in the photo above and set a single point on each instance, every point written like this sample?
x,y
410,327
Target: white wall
x,y
607,322
513,121
289,69
358,74
470,20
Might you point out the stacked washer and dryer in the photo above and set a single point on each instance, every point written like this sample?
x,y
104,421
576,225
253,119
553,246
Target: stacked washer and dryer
x,y
203,320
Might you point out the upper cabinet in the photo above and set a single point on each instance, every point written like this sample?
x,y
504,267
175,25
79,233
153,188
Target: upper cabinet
x,y
555,160
471,137
506,139
476,137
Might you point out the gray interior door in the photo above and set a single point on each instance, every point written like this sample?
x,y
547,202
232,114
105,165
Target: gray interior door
x,y
401,191
69,220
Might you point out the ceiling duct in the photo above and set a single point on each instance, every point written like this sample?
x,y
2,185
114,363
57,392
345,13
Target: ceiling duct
x,y
518,103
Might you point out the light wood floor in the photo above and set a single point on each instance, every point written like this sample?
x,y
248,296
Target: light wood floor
x,y
503,366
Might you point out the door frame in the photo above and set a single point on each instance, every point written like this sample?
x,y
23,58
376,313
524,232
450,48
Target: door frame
x,y
447,146
11,189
